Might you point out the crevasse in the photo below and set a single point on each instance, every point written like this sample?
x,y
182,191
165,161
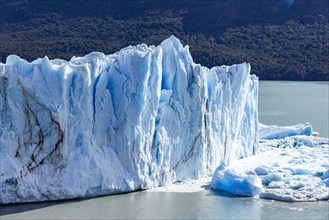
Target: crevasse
x,y
103,124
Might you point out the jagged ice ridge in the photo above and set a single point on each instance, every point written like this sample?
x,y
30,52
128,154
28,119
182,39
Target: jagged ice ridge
x,y
103,124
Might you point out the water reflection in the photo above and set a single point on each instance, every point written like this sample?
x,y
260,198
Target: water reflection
x,y
150,205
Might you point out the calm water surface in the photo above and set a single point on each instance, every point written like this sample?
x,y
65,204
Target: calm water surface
x,y
281,103
206,204
291,102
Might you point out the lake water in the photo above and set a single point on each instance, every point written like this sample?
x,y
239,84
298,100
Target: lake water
x,y
291,102
281,103
206,204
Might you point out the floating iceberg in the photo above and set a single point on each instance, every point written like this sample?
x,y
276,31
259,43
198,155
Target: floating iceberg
x,y
288,167
103,124
277,132
230,181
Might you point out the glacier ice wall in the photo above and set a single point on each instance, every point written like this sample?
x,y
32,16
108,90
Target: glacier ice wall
x,y
140,118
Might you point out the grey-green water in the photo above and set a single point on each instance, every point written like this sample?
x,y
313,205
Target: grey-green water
x,y
206,204
291,102
281,103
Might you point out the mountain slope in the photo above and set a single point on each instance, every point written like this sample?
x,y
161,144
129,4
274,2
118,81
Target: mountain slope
x,y
282,39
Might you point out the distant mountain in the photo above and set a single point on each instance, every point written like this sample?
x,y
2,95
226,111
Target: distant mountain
x,y
282,39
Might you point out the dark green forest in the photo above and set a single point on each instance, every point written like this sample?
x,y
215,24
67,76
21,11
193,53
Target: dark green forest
x,y
283,40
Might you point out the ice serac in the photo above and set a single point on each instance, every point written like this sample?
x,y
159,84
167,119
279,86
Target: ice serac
x,y
103,124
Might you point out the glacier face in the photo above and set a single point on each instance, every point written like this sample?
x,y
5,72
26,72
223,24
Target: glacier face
x,y
140,118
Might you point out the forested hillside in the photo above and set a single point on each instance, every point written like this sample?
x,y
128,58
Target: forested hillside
x,y
282,39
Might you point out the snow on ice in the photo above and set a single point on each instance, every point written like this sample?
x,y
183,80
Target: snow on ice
x,y
137,119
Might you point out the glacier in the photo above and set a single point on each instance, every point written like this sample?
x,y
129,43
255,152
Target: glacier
x,y
143,117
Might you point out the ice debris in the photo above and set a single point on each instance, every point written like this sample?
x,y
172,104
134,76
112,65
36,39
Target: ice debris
x,y
290,167
230,181
278,132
